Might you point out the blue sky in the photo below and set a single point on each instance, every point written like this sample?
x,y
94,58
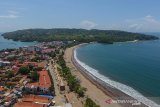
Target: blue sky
x,y
128,15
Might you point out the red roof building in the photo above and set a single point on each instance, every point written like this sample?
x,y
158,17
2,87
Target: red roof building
x,y
42,86
1,89
33,101
44,79
48,51
29,104
36,98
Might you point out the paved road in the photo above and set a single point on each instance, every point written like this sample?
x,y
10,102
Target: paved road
x,y
59,98
51,70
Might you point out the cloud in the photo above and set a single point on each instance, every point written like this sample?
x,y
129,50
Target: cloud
x,y
150,18
147,23
88,24
13,12
10,16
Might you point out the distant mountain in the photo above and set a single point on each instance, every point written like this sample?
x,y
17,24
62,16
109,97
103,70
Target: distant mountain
x,y
153,33
81,35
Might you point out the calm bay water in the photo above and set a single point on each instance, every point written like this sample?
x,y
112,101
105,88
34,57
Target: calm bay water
x,y
4,43
136,65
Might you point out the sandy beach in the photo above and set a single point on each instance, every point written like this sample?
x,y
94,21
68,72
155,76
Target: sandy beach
x,y
93,91
98,91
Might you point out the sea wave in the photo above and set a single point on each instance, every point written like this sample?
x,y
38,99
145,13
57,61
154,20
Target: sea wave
x,y
122,87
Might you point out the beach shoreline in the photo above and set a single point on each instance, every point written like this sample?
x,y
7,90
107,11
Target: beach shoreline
x,y
107,92
106,86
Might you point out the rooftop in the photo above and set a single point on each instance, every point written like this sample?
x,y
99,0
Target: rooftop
x,y
29,104
44,79
36,99
1,88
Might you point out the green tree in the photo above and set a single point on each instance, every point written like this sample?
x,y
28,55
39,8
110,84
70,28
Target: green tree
x,y
89,103
10,74
81,91
24,70
34,76
79,35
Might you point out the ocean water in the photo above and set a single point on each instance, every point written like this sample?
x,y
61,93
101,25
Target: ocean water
x,y
4,43
132,67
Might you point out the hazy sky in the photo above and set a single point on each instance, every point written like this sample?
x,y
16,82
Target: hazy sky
x,y
129,15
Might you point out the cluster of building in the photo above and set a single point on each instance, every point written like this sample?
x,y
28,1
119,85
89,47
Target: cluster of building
x,y
34,101
19,90
40,87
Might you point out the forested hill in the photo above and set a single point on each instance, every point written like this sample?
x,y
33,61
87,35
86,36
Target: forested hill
x,y
81,35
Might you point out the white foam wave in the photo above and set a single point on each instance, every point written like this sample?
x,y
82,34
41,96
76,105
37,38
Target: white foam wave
x,y
122,87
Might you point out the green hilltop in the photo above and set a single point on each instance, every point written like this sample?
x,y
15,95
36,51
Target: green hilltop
x,y
80,35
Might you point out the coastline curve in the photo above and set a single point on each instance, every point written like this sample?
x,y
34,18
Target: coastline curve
x,y
106,83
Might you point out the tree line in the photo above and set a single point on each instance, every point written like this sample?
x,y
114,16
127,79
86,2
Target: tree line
x,y
80,35
73,82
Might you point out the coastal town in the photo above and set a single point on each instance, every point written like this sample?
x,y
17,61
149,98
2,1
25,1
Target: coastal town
x,y
37,76
79,53
47,74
